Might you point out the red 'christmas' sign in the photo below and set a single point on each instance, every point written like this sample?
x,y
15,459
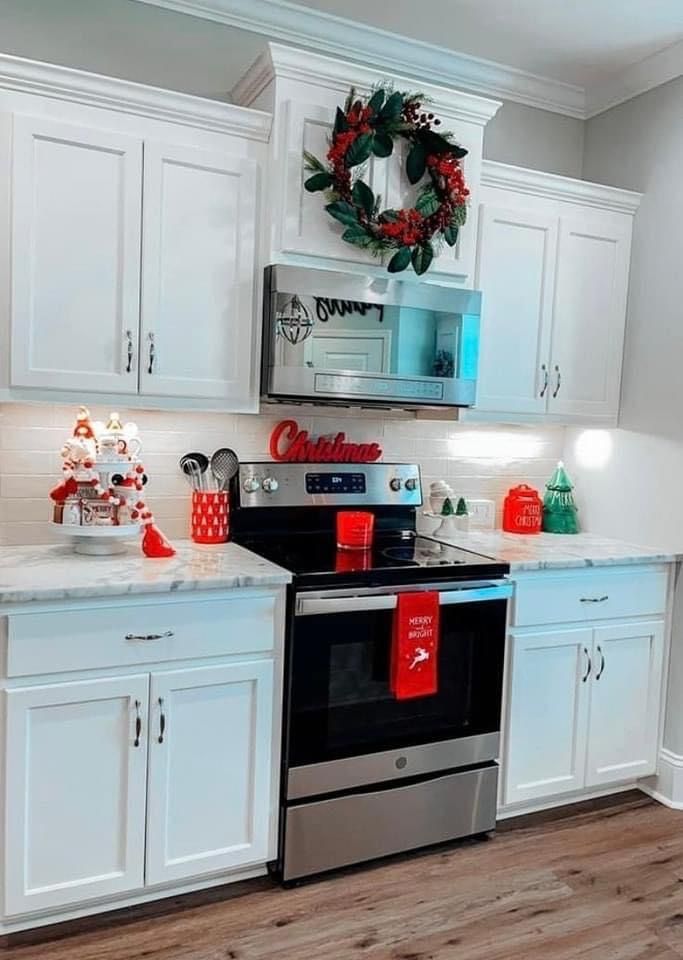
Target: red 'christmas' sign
x,y
291,445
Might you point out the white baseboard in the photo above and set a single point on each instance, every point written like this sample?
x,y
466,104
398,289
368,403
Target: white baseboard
x,y
562,800
667,785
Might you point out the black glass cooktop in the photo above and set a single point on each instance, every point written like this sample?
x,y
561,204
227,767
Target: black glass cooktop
x,y
402,557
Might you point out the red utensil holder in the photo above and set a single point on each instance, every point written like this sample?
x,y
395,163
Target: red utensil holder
x,y
210,516
355,529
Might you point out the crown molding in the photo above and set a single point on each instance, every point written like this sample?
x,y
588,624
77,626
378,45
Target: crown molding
x,y
90,89
554,187
292,63
339,37
653,71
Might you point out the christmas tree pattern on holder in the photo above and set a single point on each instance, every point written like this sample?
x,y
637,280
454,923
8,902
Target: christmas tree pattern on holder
x,y
559,509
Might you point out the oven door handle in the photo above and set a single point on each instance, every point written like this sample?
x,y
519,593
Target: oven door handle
x,y
314,606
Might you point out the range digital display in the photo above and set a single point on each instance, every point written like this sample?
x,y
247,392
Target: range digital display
x,y
335,483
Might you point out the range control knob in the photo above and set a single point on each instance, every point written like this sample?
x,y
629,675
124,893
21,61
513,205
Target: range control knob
x,y
395,483
270,484
411,483
251,484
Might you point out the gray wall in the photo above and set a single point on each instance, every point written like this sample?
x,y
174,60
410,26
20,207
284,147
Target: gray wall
x,y
637,496
534,138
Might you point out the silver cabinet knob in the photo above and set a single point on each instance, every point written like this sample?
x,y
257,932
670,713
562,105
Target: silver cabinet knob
x,y
270,484
251,484
395,483
411,483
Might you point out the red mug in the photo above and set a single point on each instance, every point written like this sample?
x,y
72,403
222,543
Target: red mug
x,y
355,529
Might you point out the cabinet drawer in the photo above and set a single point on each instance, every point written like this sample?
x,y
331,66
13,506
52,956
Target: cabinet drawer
x,y
96,637
589,596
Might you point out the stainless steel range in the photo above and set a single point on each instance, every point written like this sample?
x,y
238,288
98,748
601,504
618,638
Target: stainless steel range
x,y
366,774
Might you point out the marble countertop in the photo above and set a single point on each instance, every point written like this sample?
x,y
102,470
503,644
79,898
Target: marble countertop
x,y
551,551
57,573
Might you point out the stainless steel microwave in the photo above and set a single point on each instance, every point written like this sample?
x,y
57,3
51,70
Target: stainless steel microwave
x,y
338,338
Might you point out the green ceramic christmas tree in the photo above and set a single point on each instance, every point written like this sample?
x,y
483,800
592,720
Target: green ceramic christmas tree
x,y
559,509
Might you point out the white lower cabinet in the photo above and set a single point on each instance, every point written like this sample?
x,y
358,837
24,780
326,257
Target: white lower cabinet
x,y
75,792
155,771
209,769
625,698
548,714
583,707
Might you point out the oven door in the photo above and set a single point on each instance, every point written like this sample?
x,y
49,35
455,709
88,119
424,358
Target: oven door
x,y
346,728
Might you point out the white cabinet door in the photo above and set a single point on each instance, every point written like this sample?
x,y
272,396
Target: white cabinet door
x,y
625,697
75,792
198,265
548,714
306,227
589,315
209,770
76,208
516,274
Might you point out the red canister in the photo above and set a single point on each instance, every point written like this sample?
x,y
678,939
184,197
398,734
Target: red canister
x,y
522,510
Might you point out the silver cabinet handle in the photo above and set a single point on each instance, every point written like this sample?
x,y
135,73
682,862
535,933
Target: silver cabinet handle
x,y
544,388
145,637
594,599
129,350
138,724
558,382
162,721
589,667
152,353
601,669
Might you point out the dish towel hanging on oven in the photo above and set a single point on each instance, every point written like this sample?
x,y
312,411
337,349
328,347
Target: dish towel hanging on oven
x,y
415,645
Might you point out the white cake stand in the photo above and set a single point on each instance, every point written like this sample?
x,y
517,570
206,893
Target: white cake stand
x,y
99,541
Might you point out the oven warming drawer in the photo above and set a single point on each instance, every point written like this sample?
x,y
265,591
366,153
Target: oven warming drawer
x,y
331,776
337,832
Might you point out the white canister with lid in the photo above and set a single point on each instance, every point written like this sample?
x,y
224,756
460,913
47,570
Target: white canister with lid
x,y
439,492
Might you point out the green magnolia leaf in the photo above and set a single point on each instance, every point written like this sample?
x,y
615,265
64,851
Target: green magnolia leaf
x,y
312,163
428,202
436,143
363,196
393,107
319,181
416,162
450,234
459,217
376,100
360,150
343,212
422,257
389,216
399,261
340,122
357,236
383,145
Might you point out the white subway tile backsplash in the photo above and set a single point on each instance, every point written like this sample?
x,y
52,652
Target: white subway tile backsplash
x,y
478,460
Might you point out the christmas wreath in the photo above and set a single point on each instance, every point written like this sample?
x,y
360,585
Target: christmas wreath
x,y
369,127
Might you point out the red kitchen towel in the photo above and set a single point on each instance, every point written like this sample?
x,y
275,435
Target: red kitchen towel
x,y
415,645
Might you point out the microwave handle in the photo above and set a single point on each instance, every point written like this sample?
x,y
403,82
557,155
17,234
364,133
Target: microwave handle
x,y
312,606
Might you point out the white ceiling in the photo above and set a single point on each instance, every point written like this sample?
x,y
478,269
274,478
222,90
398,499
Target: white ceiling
x,y
577,41
204,46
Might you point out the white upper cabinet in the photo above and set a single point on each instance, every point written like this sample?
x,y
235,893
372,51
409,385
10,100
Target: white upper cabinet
x,y
198,264
76,204
303,91
135,253
516,269
552,264
590,315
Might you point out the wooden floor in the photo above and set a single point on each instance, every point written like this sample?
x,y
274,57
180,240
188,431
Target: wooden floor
x,y
598,885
